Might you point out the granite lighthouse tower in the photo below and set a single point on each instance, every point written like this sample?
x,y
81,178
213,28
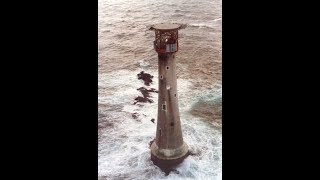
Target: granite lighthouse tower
x,y
168,149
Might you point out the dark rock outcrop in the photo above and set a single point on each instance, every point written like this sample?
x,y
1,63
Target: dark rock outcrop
x,y
147,78
135,115
146,95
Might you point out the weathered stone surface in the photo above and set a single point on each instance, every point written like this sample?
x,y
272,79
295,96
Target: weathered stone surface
x,y
168,149
168,164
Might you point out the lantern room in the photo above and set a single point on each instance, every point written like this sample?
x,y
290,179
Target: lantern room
x,y
166,37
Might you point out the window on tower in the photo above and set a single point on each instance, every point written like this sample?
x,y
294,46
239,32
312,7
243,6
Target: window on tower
x,y
163,107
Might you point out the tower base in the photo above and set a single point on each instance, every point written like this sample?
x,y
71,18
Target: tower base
x,y
168,160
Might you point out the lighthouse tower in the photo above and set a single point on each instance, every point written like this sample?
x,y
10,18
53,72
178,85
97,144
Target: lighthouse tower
x,y
168,149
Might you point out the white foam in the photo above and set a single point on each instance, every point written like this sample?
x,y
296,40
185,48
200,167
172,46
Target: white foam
x,y
143,63
202,25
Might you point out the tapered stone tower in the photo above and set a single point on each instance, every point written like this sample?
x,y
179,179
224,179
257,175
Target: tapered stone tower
x,y
168,150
